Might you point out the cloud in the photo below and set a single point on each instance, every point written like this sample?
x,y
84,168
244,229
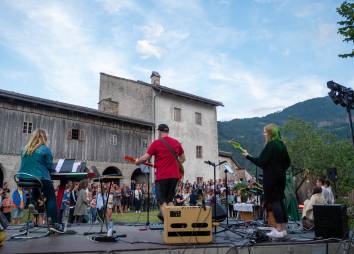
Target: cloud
x,y
152,31
309,9
67,58
115,6
11,74
156,40
247,92
148,49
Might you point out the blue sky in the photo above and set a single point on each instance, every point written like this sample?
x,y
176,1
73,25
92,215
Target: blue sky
x,y
256,56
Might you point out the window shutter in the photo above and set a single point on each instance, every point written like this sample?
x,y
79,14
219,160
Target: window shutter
x,y
70,134
82,135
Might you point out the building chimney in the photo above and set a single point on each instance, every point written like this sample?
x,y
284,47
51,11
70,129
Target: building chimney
x,y
155,78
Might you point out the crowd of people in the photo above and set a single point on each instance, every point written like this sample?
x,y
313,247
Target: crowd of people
x,y
86,200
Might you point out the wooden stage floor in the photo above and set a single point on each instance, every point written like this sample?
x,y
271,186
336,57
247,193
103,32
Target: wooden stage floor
x,y
142,240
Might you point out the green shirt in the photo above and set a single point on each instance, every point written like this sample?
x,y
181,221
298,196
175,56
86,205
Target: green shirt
x,y
38,164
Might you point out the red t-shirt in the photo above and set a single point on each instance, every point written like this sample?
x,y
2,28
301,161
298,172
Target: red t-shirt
x,y
166,165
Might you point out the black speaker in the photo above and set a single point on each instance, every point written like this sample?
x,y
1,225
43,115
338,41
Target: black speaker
x,y
220,214
331,221
332,174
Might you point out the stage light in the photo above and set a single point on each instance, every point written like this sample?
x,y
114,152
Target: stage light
x,y
345,97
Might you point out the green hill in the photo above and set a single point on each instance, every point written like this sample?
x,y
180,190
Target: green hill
x,y
321,112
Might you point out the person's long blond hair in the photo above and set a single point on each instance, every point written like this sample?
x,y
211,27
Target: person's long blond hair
x,y
273,132
37,138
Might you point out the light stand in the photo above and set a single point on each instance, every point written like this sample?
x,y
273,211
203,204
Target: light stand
x,y
214,167
227,169
345,97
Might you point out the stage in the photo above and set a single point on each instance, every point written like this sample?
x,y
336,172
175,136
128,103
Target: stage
x,y
142,240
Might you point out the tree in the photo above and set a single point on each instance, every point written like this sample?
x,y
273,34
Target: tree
x,y
346,10
316,150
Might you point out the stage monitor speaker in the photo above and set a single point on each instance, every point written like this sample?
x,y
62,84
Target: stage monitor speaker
x,y
331,221
220,214
187,225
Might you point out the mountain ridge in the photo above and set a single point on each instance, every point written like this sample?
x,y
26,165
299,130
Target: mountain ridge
x,y
321,112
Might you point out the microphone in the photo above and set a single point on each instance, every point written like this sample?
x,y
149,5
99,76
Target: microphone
x,y
222,162
209,163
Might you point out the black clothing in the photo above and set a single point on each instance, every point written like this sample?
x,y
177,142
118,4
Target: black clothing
x,y
165,190
179,196
274,160
279,211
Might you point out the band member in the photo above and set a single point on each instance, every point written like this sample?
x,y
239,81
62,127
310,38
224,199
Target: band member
x,y
37,160
167,171
274,160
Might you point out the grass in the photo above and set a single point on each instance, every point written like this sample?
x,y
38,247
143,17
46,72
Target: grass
x,y
132,217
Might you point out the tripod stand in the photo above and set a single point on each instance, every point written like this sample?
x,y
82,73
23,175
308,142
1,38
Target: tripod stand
x,y
214,165
229,170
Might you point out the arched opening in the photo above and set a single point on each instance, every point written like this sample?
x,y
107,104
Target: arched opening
x,y
1,176
112,170
138,177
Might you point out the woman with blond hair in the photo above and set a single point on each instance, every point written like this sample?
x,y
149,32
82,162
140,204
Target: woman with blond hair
x,y
274,160
37,160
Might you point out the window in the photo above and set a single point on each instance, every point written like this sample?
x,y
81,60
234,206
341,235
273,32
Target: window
x,y
198,118
27,127
145,143
199,151
113,140
76,134
24,127
199,179
177,114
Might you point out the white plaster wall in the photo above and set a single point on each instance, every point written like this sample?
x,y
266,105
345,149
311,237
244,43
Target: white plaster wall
x,y
190,134
135,100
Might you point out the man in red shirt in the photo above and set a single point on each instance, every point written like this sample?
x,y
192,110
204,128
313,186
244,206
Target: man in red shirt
x,y
167,171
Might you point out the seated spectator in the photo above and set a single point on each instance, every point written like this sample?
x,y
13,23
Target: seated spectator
x,y
330,196
6,206
307,212
179,200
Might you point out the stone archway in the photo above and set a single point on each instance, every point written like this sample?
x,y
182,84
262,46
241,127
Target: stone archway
x,y
112,170
138,176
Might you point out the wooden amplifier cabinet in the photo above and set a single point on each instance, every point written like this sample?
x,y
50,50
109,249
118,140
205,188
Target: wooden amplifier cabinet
x,y
187,225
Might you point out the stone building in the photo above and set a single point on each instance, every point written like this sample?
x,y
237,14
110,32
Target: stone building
x,y
240,173
192,119
85,134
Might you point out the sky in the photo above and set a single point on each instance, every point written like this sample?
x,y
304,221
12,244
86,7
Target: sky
x,y
255,56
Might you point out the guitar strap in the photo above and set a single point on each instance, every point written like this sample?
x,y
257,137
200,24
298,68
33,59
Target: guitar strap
x,y
172,151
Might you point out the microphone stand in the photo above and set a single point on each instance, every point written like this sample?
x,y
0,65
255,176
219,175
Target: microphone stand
x,y
227,200
148,198
146,170
214,165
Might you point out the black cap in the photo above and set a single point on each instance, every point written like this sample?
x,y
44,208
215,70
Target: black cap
x,y
163,127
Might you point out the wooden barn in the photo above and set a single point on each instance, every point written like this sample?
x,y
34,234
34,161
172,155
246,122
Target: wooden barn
x,y
101,139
